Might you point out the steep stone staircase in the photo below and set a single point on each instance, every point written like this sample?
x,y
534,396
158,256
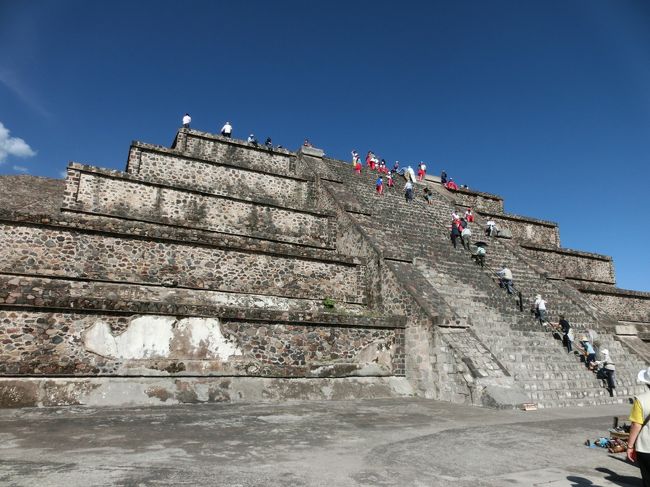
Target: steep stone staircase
x,y
539,364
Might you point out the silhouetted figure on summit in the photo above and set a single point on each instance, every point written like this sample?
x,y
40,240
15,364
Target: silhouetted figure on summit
x,y
186,121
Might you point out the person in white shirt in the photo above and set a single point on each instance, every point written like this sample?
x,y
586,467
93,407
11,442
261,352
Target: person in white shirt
x,y
466,237
490,227
408,191
186,121
252,140
540,309
226,130
505,279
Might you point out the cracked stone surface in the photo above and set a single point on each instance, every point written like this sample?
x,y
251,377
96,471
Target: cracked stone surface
x,y
392,442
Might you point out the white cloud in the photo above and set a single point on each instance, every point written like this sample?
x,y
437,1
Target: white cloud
x,y
63,174
13,146
20,169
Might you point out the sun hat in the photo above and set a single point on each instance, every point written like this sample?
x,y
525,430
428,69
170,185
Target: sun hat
x,y
644,376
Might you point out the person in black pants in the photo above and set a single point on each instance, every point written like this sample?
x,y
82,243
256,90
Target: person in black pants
x,y
566,340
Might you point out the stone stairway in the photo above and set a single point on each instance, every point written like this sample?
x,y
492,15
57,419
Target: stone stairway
x,y
538,363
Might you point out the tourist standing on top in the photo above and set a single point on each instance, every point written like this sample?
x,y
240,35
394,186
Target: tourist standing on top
x,y
396,167
638,444
268,143
355,158
226,130
505,279
443,177
306,143
186,121
422,171
252,139
540,309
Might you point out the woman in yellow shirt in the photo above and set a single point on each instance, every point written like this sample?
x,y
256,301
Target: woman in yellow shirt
x,y
638,446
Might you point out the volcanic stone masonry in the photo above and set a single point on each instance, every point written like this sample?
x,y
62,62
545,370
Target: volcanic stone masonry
x,y
217,270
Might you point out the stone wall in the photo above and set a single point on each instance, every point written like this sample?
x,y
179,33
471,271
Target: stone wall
x,y
51,251
478,201
111,193
623,304
226,177
210,147
529,230
573,264
36,342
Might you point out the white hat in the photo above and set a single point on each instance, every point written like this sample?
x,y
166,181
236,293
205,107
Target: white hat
x,y
644,376
605,351
539,296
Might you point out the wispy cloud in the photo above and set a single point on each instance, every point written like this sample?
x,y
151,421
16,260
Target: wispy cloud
x,y
13,146
11,81
63,174
20,169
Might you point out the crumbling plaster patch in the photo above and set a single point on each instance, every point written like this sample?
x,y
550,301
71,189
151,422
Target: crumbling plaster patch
x,y
153,337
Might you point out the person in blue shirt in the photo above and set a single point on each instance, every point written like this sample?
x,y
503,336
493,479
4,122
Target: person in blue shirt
x,y
380,185
591,353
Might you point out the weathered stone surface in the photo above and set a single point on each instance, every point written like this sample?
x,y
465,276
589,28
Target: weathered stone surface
x,y
111,344
93,191
573,264
31,194
59,252
211,265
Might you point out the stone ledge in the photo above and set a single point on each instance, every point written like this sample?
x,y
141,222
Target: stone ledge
x,y
513,217
182,155
595,288
49,293
165,391
147,231
471,192
113,174
565,251
230,141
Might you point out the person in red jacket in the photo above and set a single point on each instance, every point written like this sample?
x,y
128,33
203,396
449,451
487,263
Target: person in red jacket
x,y
469,216
451,185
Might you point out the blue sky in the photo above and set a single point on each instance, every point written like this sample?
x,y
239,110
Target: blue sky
x,y
546,103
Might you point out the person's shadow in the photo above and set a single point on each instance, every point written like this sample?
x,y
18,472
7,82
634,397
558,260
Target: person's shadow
x,y
580,481
622,480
